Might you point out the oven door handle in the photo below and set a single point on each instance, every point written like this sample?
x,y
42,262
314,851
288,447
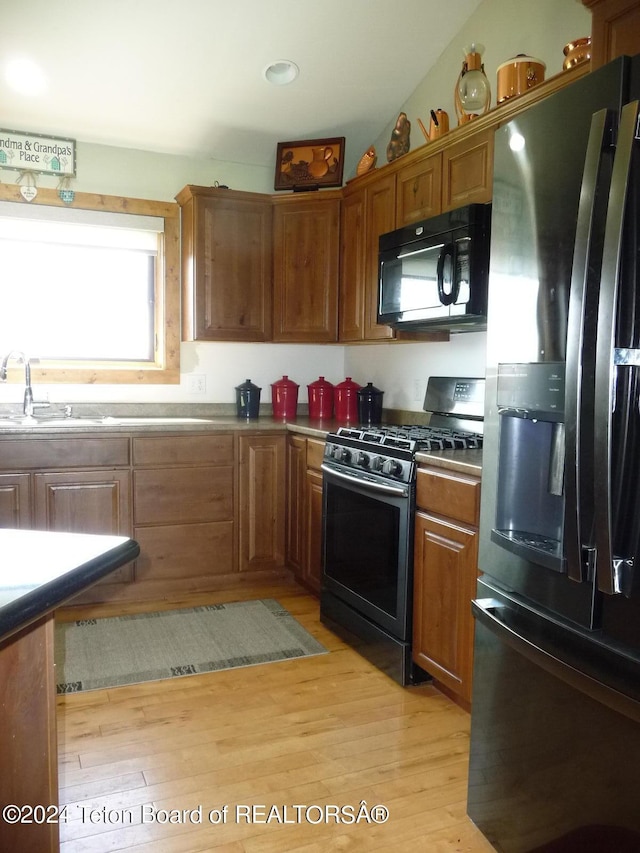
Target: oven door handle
x,y
388,489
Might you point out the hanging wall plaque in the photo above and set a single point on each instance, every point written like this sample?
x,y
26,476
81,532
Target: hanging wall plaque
x,y
34,152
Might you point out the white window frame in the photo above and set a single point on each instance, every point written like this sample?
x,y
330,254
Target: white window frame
x,y
165,369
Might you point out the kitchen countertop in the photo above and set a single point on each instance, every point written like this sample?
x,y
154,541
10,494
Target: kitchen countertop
x,y
42,570
462,461
154,422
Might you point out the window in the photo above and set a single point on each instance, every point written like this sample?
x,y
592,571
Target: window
x,y
90,292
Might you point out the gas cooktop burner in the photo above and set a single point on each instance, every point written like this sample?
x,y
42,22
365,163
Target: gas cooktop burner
x,y
388,451
414,438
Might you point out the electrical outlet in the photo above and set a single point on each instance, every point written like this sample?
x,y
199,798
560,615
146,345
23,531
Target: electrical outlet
x,y
418,390
197,383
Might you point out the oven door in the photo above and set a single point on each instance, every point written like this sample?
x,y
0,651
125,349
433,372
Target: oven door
x,y
368,547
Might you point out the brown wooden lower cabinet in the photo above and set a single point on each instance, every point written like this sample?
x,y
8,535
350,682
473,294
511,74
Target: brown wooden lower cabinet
x,y
203,506
184,508
179,551
296,496
15,500
445,575
304,510
85,502
262,502
313,556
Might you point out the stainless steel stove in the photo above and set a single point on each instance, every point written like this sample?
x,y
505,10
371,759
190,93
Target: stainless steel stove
x,y
368,520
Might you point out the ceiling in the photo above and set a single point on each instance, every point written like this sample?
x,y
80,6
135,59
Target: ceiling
x,y
186,77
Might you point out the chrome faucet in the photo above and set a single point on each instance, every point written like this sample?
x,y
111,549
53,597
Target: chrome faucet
x,y
28,405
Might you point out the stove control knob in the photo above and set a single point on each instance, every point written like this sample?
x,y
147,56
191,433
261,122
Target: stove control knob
x,y
344,454
363,459
393,467
376,463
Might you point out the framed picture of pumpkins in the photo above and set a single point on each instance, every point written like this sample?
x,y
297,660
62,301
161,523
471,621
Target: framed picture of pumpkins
x,y
309,164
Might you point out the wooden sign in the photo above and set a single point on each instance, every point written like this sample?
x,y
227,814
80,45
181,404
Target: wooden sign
x,y
34,152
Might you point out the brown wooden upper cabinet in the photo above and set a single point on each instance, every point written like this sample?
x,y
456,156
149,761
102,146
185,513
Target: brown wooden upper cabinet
x,y
303,267
615,29
467,171
306,264
368,212
419,190
226,265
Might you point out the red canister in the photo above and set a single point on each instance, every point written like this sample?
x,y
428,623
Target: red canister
x,y
346,399
320,399
284,398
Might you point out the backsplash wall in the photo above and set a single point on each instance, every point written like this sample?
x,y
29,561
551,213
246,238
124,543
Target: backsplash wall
x,y
402,370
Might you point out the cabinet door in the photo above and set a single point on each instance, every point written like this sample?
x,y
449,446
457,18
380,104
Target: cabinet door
x,y
352,270
468,171
380,218
262,501
175,552
419,191
296,479
313,558
615,29
226,265
445,574
85,502
306,263
15,500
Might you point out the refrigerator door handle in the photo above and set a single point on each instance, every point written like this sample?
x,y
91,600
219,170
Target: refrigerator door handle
x,y
614,572
577,554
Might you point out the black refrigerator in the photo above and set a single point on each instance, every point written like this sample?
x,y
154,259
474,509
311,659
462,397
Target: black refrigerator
x,y
555,723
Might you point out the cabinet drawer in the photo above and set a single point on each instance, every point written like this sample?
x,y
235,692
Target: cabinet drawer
x,y
183,495
24,454
216,449
184,551
448,494
315,453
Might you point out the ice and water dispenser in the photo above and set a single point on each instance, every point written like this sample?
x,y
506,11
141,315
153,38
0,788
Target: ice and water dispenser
x,y
530,497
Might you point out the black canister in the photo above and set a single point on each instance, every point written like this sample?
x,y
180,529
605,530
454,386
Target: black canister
x,y
370,404
248,400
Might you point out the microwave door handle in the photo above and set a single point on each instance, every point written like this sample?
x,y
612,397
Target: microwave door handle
x,y
447,251
577,527
613,572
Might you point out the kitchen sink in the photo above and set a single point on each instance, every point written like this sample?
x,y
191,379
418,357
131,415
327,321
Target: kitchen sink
x,y
21,421
151,421
62,422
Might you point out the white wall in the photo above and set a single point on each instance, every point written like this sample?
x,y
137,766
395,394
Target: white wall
x,y
540,28
506,28
402,370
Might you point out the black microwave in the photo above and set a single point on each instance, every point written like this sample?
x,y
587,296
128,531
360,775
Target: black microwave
x,y
434,274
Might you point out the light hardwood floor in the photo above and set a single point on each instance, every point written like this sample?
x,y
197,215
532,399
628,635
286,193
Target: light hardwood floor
x,y
324,731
